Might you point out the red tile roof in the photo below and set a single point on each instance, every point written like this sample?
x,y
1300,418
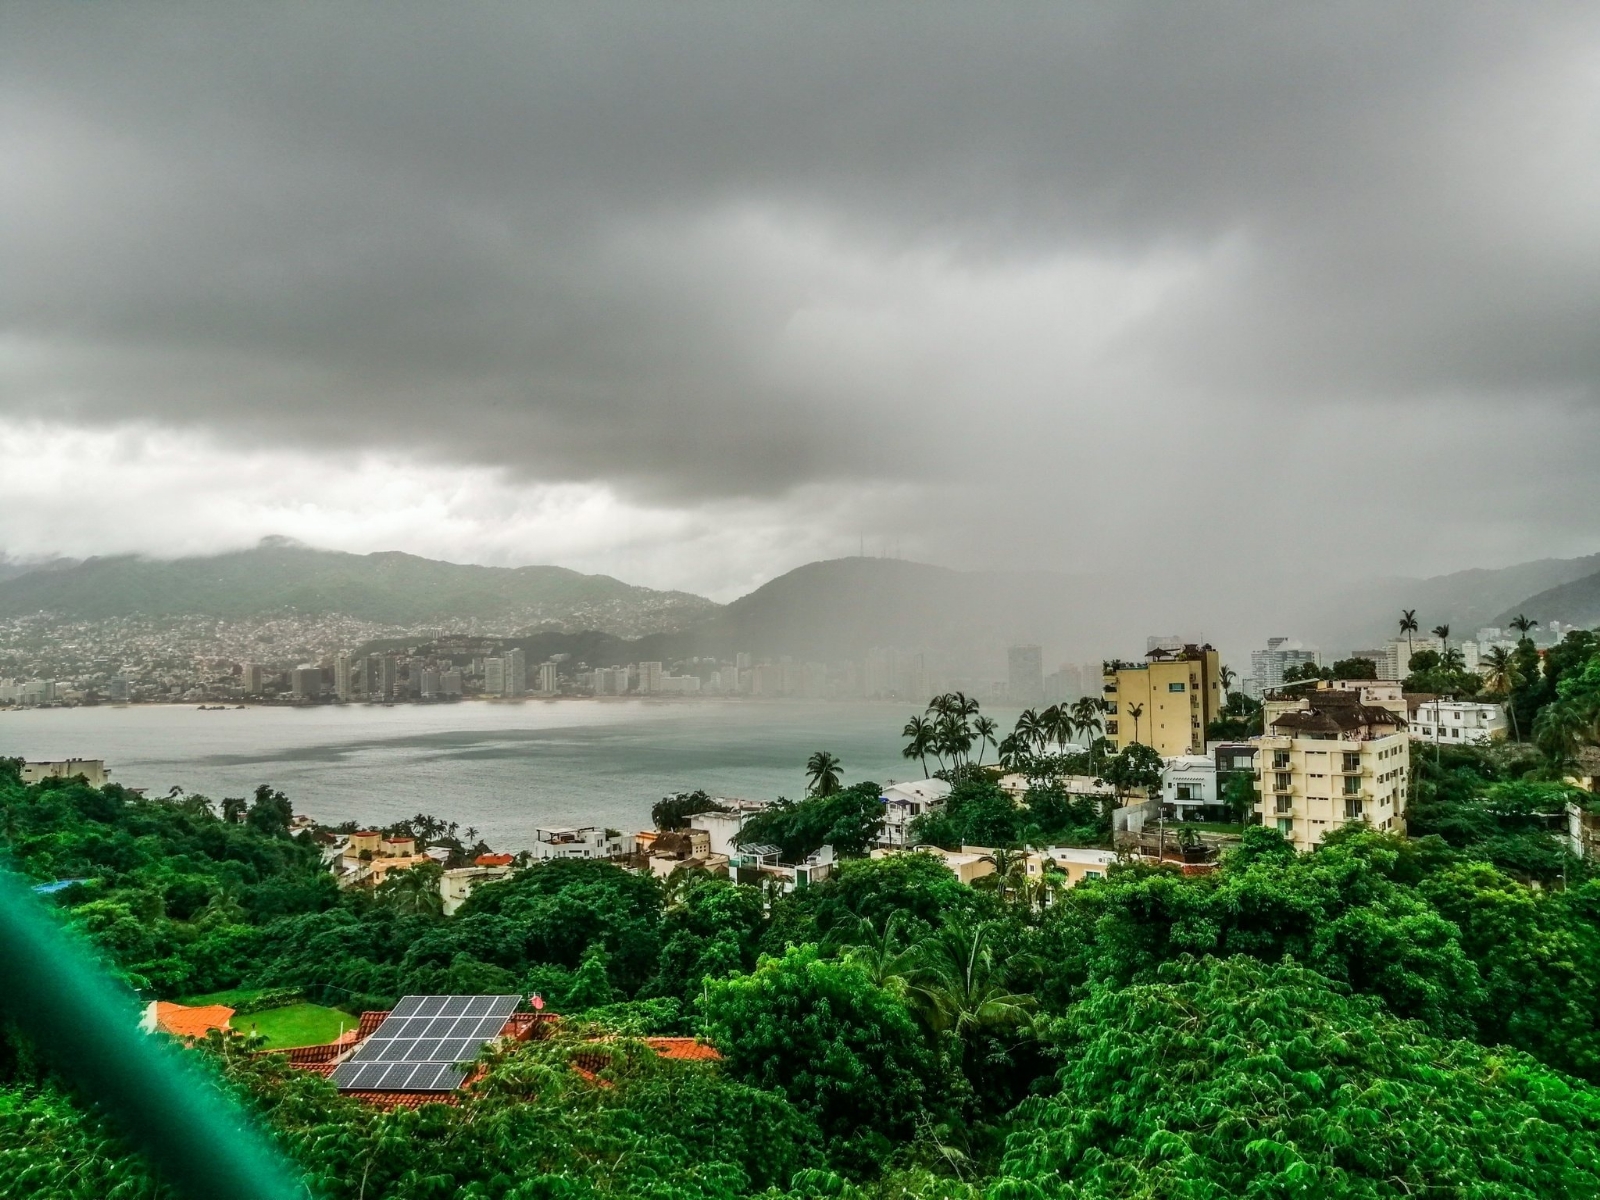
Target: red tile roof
x,y
493,860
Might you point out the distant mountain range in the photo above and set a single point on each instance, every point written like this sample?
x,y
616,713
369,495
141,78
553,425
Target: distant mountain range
x,y
1573,603
387,588
824,611
11,568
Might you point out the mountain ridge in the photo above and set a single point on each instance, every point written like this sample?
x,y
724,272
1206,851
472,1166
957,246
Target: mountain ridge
x,y
387,587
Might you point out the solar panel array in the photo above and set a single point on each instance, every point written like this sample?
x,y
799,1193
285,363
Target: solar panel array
x,y
419,1044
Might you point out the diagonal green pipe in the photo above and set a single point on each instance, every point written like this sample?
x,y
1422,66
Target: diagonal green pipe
x,y
86,1027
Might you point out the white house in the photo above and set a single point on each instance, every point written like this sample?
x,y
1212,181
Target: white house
x,y
1459,722
457,883
1016,786
1189,784
903,803
724,827
588,841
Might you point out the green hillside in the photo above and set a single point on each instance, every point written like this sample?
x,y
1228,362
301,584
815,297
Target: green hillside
x,y
1575,603
389,588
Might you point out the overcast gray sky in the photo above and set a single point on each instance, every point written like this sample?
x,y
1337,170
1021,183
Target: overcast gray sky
x,y
693,294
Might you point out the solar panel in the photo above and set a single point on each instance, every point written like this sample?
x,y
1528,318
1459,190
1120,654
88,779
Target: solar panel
x,y
417,1046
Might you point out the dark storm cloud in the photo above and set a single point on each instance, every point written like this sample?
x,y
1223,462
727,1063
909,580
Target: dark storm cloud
x,y
591,242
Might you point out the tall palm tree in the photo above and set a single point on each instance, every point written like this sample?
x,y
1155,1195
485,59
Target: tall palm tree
x,y
1558,731
983,729
1522,624
1226,674
1136,711
1010,875
961,988
883,954
954,738
1408,626
1502,678
822,769
1442,632
1028,729
1086,716
921,732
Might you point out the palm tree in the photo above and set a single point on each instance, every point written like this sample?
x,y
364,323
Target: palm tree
x,y
1010,874
1063,727
1029,729
1408,626
883,954
961,989
983,730
1522,624
233,809
822,769
1086,715
1442,632
1010,750
1558,731
954,738
1227,676
921,732
1503,677
414,890
1136,711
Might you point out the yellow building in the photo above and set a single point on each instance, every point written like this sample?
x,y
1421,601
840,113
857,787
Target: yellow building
x,y
1164,702
1331,760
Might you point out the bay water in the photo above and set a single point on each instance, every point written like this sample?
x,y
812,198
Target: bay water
x,y
504,768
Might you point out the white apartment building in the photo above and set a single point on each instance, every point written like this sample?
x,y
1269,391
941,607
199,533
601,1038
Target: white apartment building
x,y
494,677
587,841
1328,761
723,827
1458,722
548,680
1267,666
903,803
650,676
1401,649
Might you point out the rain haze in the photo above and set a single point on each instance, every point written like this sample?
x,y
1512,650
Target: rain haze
x,y
692,295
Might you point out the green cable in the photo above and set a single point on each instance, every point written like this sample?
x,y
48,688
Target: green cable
x,y
86,1026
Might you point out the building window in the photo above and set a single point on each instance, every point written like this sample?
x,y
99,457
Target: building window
x,y
1282,781
1111,729
1280,759
1352,785
1285,826
1175,687
1283,804
1352,808
1352,762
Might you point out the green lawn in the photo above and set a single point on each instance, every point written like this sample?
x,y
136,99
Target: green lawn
x,y
300,1024
295,1025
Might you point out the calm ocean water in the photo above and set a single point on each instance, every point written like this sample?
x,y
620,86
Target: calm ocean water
x,y
504,768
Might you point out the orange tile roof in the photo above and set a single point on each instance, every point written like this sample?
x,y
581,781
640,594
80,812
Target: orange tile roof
x,y
388,1101
684,1049
182,1020
493,860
